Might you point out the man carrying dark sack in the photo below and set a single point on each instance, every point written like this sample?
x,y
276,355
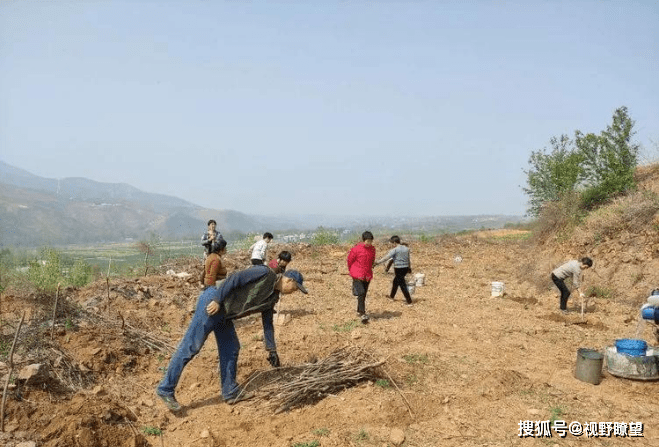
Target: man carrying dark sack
x,y
241,294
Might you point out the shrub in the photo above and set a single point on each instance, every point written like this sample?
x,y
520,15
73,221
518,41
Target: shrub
x,y
46,273
552,174
609,159
562,215
80,274
600,166
324,236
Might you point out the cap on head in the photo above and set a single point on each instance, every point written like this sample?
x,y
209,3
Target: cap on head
x,y
297,277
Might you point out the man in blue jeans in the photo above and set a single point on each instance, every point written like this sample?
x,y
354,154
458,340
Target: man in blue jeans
x,y
241,294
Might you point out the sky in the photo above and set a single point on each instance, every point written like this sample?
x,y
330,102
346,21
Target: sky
x,y
401,108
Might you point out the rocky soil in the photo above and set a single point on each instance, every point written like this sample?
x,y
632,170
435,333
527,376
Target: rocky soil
x,y
463,368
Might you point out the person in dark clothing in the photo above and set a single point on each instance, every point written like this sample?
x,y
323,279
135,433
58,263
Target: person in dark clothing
x,y
210,236
242,293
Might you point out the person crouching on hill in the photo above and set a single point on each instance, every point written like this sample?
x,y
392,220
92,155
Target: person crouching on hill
x,y
243,293
574,270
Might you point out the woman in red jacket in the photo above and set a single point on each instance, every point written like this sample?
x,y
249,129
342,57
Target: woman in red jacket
x,y
360,266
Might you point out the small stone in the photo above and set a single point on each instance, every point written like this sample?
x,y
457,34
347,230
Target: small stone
x,y
99,391
397,436
195,385
533,411
204,434
34,371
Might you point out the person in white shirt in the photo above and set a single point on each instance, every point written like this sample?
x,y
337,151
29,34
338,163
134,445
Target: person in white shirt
x,y
259,249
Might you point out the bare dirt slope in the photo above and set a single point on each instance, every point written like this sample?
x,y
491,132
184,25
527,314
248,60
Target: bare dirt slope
x,y
467,367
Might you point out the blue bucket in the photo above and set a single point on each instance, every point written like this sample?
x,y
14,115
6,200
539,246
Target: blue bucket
x,y
648,313
631,346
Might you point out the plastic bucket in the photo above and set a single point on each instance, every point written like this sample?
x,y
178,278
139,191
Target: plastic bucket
x,y
631,346
589,366
419,279
648,312
497,288
411,286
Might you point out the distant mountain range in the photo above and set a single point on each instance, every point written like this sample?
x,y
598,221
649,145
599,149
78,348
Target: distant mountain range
x,y
37,211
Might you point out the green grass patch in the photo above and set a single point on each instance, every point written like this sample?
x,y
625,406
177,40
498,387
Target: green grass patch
x,y
345,327
556,413
513,237
411,380
383,383
415,358
362,436
599,292
321,432
151,431
313,443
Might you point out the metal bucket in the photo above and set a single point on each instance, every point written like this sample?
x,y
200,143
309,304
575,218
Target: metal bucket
x,y
589,366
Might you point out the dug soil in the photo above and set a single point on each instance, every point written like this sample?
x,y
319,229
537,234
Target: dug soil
x,y
457,368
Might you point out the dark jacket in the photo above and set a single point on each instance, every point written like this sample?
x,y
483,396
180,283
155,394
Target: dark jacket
x,y
248,291
206,243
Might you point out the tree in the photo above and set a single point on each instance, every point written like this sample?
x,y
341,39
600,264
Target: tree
x,y
552,174
609,160
595,166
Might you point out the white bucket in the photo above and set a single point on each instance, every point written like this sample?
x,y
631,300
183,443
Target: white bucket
x,y
419,279
497,288
411,286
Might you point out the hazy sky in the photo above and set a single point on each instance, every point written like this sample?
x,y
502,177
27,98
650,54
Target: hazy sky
x,y
333,107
